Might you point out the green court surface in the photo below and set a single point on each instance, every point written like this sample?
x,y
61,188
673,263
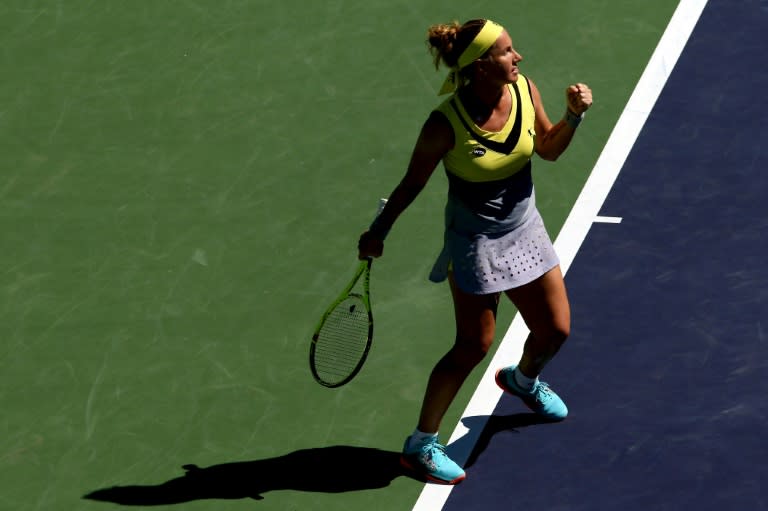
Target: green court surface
x,y
182,185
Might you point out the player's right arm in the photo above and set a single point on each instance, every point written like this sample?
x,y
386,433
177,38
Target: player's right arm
x,y
435,139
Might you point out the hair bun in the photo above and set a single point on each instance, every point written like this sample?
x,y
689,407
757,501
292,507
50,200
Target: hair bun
x,y
441,39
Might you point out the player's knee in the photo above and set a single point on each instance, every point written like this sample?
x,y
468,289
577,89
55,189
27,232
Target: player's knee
x,y
470,352
554,333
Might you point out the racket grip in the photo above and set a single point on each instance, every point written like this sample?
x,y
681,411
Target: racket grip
x,y
376,228
382,203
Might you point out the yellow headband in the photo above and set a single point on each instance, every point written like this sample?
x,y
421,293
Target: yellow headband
x,y
476,49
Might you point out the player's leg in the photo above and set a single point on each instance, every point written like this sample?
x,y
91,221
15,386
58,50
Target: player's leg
x,y
475,328
544,306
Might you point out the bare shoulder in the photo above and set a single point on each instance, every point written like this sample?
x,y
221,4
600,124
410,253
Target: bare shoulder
x,y
437,132
435,140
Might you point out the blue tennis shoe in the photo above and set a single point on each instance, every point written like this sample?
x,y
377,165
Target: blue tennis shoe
x,y
541,398
430,461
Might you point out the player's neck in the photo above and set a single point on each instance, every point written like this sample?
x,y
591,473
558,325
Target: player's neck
x,y
481,100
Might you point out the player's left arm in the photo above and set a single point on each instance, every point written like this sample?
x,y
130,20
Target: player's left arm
x,y
553,139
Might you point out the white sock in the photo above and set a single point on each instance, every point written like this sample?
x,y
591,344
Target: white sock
x,y
418,437
523,381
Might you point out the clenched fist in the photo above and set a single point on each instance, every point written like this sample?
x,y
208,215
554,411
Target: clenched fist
x,y
579,98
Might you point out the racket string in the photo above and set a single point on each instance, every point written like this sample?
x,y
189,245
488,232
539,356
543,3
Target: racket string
x,y
342,341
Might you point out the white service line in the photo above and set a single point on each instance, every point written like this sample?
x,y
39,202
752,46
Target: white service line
x,y
584,213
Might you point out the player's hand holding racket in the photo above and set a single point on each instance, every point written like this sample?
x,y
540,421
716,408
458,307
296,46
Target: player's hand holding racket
x,y
370,246
342,339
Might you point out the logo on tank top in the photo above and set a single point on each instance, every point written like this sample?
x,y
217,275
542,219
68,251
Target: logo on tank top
x,y
478,151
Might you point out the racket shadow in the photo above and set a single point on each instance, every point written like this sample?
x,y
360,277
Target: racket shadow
x,y
326,470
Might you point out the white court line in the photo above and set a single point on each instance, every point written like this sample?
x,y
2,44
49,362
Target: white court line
x,y
576,226
607,219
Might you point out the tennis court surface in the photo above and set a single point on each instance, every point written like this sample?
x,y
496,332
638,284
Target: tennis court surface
x,y
181,193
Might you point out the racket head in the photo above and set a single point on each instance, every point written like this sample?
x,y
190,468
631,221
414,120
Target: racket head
x,y
342,341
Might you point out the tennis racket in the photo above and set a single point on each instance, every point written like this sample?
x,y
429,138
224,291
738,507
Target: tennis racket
x,y
343,337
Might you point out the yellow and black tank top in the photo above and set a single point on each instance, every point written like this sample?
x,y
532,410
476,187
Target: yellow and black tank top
x,y
482,156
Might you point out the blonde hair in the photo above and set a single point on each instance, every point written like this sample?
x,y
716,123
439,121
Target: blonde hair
x,y
447,41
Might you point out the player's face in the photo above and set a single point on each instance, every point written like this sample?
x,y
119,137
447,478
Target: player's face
x,y
503,59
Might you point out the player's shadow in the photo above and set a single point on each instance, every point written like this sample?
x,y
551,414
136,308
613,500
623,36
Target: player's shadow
x,y
335,469
483,428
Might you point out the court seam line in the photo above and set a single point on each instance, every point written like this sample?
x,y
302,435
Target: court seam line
x,y
575,229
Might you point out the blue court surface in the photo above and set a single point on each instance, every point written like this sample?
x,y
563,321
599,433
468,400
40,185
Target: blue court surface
x,y
664,373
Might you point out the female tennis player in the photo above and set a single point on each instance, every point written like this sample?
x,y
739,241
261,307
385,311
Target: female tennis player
x,y
485,133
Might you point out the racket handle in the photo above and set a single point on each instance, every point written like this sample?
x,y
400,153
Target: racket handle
x,y
382,203
375,227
